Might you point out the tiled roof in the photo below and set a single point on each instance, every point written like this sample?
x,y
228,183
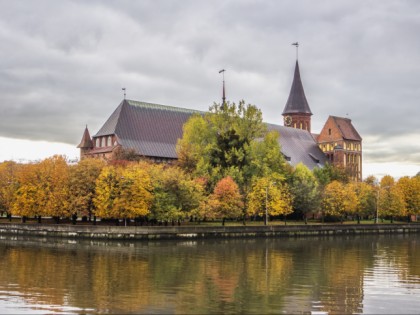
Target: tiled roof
x,y
346,128
153,130
299,146
297,103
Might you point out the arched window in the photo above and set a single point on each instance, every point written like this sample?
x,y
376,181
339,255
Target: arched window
x,y
98,142
109,142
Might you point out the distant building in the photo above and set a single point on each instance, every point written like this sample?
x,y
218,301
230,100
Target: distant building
x,y
152,131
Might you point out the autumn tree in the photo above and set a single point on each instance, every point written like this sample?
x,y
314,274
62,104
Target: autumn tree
x,y
176,194
391,198
82,183
30,196
8,185
273,197
305,190
410,188
366,199
226,200
339,199
43,189
123,193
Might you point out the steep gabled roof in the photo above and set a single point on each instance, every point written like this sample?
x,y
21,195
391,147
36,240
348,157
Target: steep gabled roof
x,y
150,129
297,103
299,146
86,142
346,128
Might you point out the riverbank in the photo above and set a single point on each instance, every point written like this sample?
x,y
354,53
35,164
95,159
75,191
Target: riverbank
x,y
200,232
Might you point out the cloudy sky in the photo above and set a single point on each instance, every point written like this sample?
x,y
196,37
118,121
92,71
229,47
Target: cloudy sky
x,y
63,65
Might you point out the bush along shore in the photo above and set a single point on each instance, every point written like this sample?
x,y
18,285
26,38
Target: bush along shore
x,y
148,233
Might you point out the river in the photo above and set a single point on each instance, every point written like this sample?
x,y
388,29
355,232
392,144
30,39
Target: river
x,y
316,275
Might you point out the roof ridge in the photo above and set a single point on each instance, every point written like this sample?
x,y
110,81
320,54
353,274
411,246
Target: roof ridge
x,y
161,107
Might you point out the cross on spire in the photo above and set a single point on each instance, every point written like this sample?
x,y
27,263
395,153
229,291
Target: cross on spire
x,y
297,49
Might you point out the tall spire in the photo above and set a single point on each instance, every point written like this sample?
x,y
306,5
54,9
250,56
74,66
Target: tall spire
x,y
297,103
223,92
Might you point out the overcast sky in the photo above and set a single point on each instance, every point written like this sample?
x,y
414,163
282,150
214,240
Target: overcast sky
x,y
63,64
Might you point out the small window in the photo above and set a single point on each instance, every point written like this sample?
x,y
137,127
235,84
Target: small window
x,y
329,132
98,142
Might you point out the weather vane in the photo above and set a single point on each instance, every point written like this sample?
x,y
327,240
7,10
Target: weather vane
x,y
297,48
223,94
124,92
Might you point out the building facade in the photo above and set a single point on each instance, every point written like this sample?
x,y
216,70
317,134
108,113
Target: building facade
x,y
153,130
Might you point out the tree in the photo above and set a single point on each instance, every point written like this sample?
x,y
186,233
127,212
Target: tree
x,y
391,199
304,188
366,199
338,199
176,194
8,185
134,197
82,183
106,191
271,196
329,173
123,193
43,189
226,200
218,143
410,188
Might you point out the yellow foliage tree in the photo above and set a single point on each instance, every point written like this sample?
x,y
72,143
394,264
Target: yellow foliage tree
x,y
410,188
391,198
275,197
82,179
8,185
339,199
123,192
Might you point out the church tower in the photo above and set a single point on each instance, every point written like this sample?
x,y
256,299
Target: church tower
x,y
296,113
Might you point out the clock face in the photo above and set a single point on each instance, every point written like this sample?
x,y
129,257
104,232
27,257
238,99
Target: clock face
x,y
288,120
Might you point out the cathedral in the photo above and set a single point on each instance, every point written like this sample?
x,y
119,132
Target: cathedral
x,y
152,131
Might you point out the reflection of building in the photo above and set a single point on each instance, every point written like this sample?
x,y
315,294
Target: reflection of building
x,y
152,131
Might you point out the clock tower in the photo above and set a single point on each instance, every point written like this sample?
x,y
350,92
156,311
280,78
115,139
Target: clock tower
x,y
296,113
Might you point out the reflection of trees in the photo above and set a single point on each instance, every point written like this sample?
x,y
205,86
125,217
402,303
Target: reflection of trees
x,y
234,276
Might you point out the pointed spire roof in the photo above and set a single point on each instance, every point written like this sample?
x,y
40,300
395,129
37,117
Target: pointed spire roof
x,y
297,103
86,142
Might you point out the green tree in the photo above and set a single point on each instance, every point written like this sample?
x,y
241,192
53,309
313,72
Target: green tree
x,y
329,173
177,194
218,144
226,200
305,191
273,197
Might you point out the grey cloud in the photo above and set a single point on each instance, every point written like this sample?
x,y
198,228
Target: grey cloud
x,y
63,64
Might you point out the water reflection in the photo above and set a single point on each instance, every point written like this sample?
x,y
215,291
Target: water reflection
x,y
376,274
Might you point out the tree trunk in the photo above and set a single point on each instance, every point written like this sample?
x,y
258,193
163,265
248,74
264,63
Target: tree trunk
x,y
223,222
39,219
358,219
23,219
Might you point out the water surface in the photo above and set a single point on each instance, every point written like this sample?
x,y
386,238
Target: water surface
x,y
338,275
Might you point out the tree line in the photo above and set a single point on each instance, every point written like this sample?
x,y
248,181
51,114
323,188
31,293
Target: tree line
x,y
230,167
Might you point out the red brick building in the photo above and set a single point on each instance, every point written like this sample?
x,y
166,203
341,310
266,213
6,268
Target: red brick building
x,y
152,131
339,140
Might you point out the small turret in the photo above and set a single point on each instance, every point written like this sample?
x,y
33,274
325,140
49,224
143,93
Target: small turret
x,y
86,144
